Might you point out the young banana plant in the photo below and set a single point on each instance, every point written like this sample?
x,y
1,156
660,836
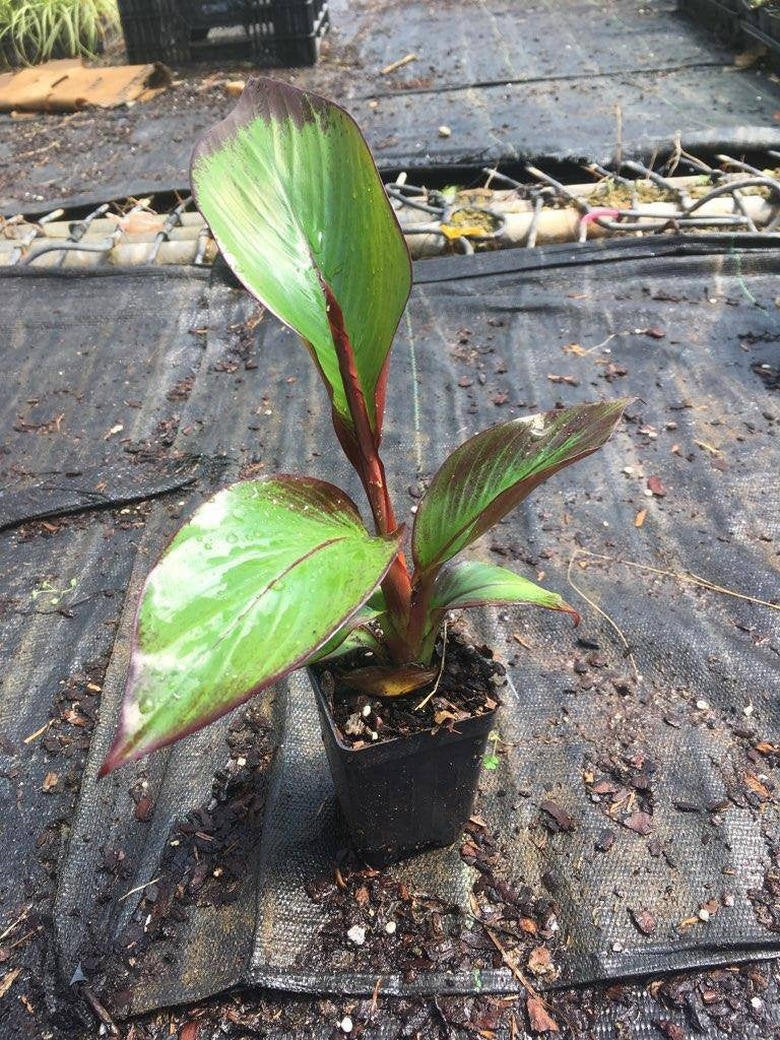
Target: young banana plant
x,y
290,191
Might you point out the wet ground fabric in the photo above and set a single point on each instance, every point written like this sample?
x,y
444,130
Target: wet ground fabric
x,y
630,826
452,86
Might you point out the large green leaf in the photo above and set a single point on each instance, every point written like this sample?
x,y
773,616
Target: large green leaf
x,y
291,193
257,581
495,470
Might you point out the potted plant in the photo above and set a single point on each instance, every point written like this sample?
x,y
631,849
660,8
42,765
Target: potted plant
x,y
273,574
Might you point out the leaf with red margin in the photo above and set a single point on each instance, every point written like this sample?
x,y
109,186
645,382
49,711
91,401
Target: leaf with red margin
x,y
494,471
250,588
290,191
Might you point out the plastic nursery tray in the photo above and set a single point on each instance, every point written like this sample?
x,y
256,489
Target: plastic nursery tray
x,y
267,32
739,21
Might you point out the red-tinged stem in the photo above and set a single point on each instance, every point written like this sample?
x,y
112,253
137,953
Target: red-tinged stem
x,y
397,585
418,615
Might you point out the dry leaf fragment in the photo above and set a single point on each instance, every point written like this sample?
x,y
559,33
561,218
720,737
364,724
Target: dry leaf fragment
x,y
50,781
757,787
538,1018
640,518
8,980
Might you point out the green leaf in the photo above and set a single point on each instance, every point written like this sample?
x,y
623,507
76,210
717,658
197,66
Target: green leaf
x,y
257,581
356,639
492,472
470,583
291,193
351,636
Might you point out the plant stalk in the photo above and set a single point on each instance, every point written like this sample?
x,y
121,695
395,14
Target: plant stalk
x,y
364,456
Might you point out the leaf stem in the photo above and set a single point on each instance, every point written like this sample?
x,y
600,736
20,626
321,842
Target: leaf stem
x,y
361,446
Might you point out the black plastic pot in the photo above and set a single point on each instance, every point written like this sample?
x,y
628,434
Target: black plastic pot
x,y
407,794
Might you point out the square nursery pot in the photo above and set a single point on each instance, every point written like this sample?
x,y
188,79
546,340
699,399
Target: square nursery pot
x,y
406,794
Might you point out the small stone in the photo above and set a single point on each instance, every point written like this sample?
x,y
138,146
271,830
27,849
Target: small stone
x,y
445,131
704,914
357,934
756,1003
366,710
346,1024
390,927
747,710
702,705
617,946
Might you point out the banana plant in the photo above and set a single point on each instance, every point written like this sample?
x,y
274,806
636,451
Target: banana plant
x,y
290,191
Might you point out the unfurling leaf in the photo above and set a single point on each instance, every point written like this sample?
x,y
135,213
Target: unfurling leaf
x,y
494,471
251,587
291,193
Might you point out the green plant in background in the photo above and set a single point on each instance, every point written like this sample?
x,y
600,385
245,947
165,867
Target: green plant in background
x,y
272,574
35,30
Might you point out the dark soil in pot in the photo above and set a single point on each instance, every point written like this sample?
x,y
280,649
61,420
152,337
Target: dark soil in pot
x,y
406,768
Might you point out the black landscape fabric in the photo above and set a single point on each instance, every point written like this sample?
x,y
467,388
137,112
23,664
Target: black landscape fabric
x,y
631,826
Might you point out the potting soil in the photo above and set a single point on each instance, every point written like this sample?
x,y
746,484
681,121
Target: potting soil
x,y
632,816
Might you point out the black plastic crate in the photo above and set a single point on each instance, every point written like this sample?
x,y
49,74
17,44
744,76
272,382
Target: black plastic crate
x,y
182,32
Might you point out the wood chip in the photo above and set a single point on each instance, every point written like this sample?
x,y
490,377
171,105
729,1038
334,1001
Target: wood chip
x,y
539,1019
643,921
656,485
540,961
671,1030
758,787
639,822
564,821
8,980
605,840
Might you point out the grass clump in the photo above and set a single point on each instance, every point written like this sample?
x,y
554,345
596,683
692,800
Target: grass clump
x,y
32,31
